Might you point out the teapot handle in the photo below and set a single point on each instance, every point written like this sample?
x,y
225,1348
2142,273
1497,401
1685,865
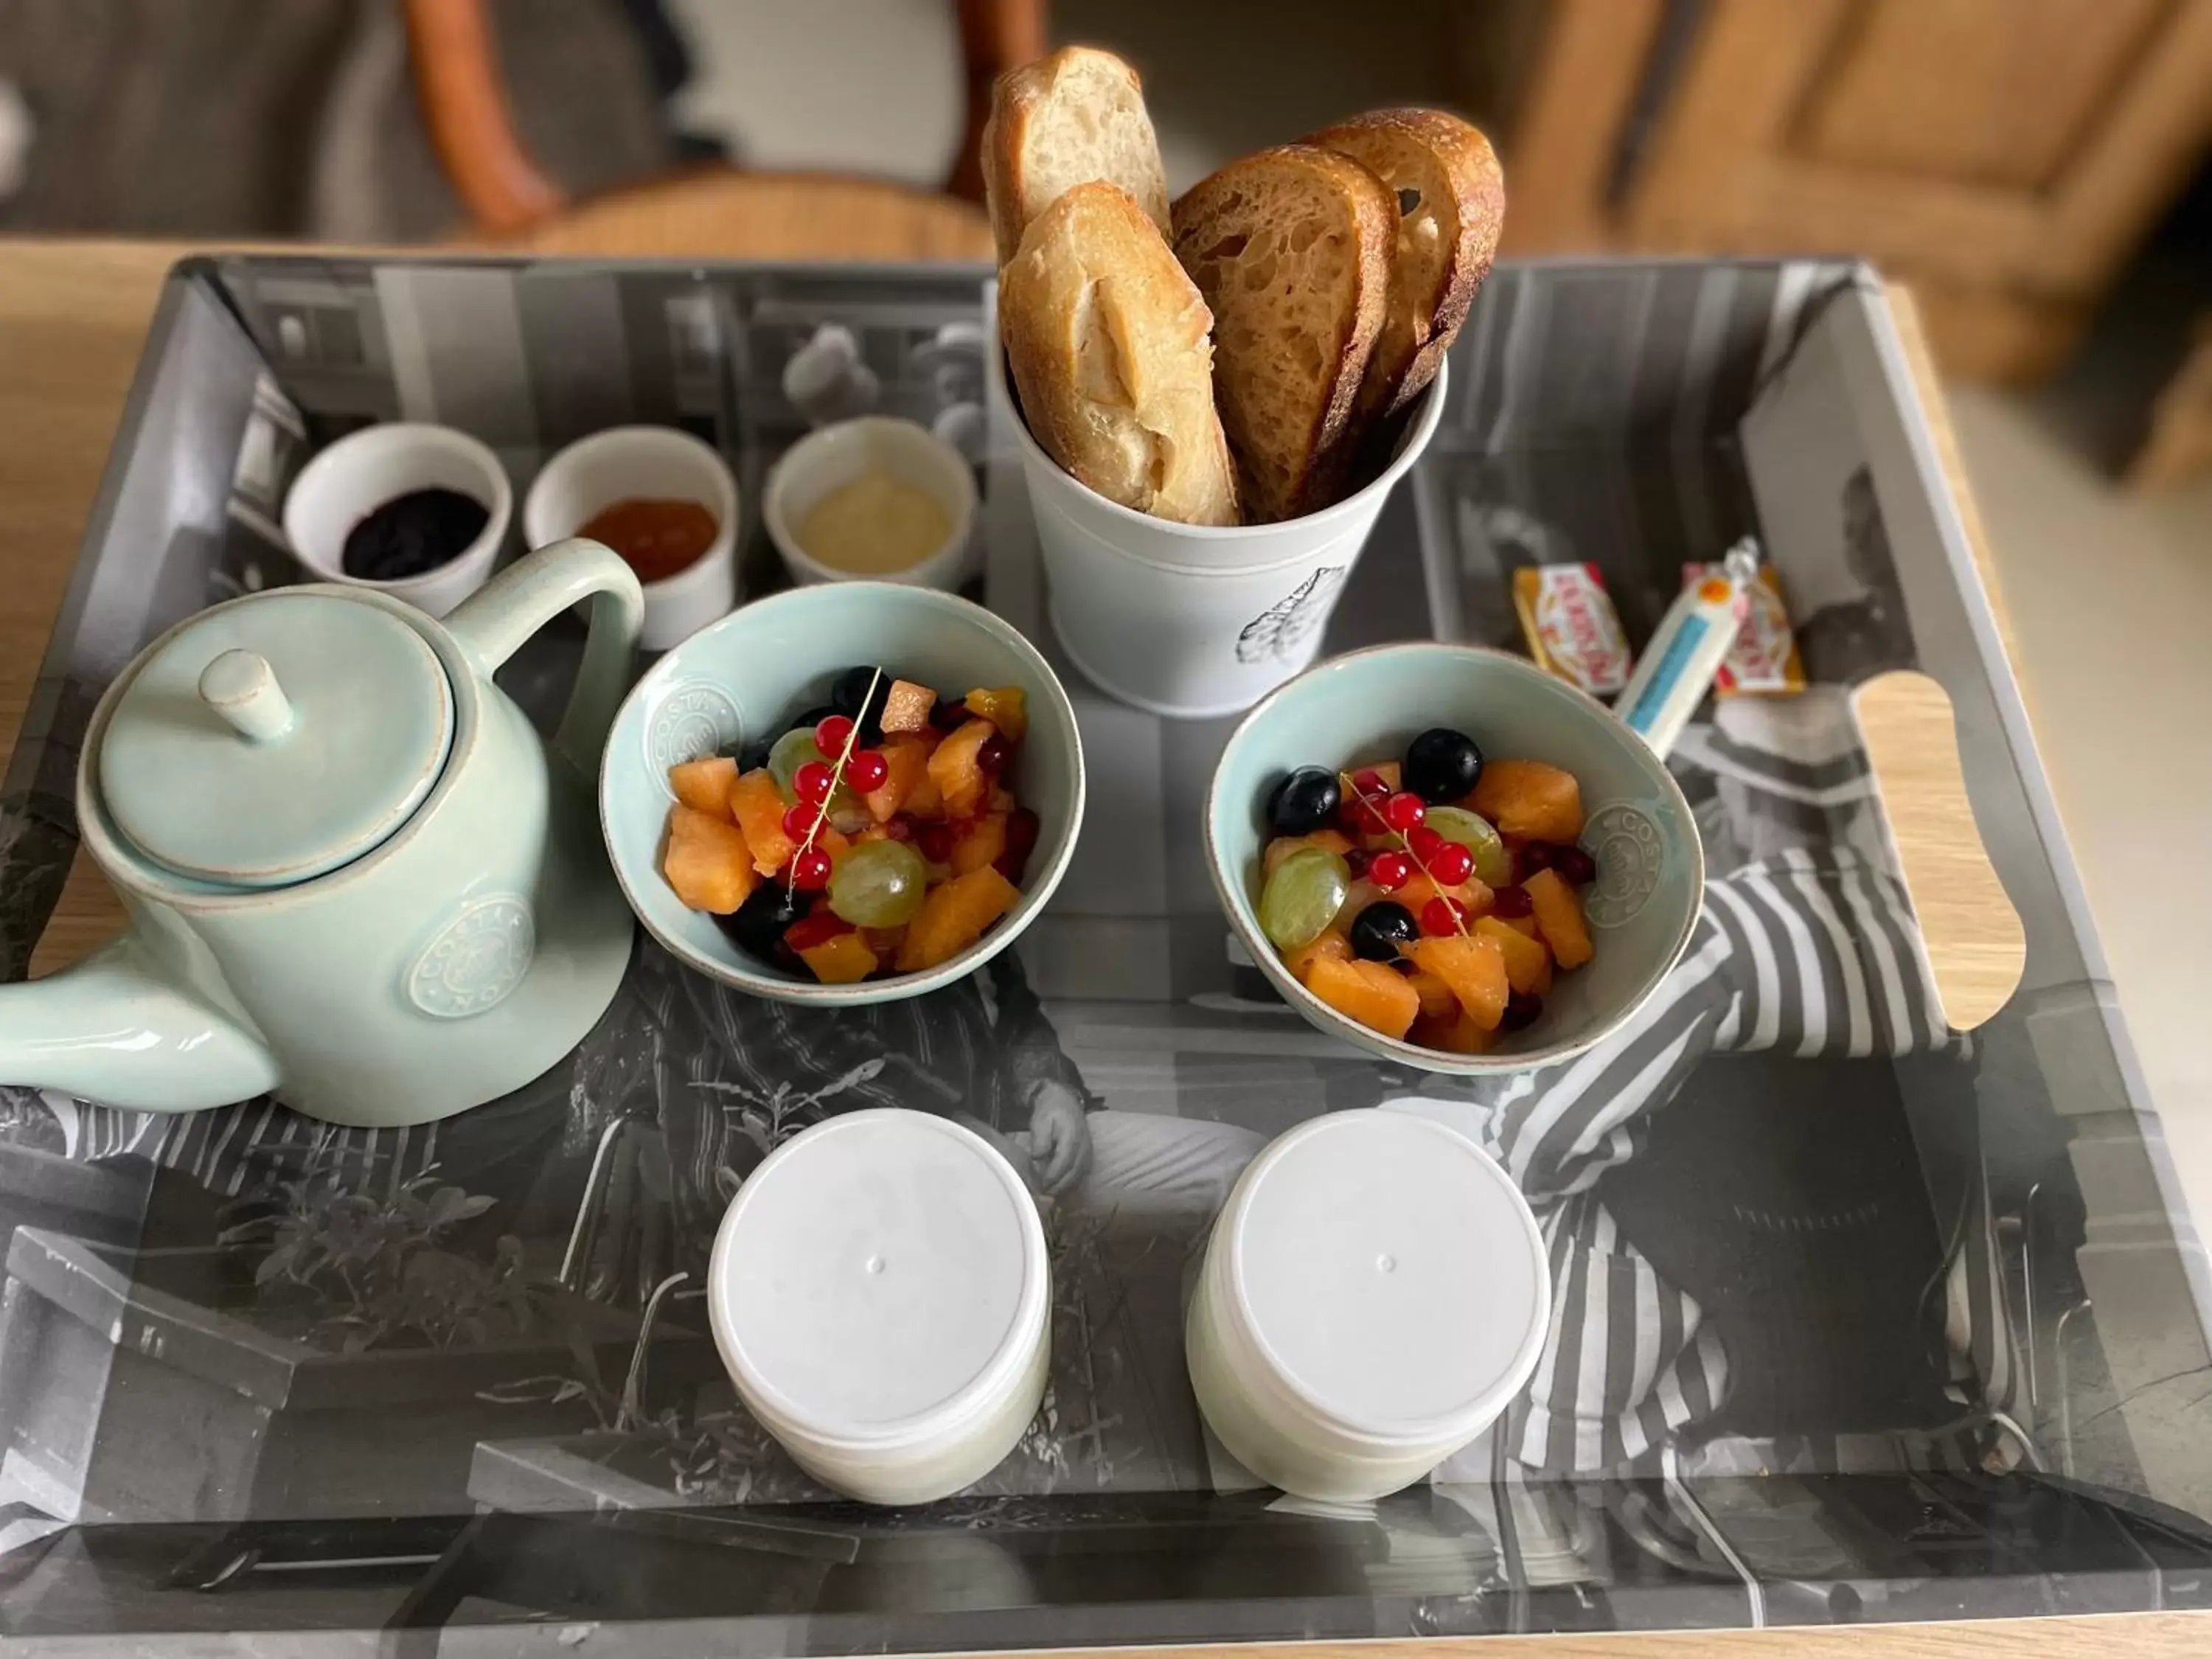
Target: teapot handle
x,y
492,623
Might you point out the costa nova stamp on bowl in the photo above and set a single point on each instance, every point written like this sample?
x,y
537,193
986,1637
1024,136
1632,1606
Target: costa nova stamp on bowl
x,y
1374,1293
880,1292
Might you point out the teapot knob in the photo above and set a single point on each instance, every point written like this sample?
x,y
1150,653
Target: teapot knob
x,y
241,687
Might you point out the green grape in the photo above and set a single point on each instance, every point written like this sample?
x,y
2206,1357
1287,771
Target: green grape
x,y
793,750
788,753
1493,865
879,884
1302,896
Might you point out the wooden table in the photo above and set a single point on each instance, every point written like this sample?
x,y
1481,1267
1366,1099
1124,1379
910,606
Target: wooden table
x,y
73,317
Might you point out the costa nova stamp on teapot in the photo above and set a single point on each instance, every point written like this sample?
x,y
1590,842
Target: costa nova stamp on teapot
x,y
355,874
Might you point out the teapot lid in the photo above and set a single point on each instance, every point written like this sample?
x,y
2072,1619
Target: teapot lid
x,y
274,738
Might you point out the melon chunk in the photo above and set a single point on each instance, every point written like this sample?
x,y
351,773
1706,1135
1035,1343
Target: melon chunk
x,y
1471,893
1559,918
1283,846
704,784
1527,964
907,759
707,862
1331,944
843,959
982,841
958,776
953,917
758,806
1004,706
1455,1033
1530,799
1366,992
1437,999
1474,967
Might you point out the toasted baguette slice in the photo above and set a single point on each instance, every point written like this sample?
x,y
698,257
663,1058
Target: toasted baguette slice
x,y
1451,206
1290,248
1107,337
1071,118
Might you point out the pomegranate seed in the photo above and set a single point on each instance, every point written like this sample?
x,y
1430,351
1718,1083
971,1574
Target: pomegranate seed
x,y
1405,811
817,929
949,716
1441,916
901,828
833,734
798,822
1575,866
810,871
1510,901
1423,842
994,754
935,842
1532,856
867,769
1521,1008
812,783
1451,863
1357,860
1390,871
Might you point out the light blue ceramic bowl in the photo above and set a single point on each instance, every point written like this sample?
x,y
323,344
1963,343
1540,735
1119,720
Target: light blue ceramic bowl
x,y
729,684
1357,710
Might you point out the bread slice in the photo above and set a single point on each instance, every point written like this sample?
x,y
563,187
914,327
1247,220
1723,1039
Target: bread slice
x,y
1290,248
1071,118
1107,338
1451,206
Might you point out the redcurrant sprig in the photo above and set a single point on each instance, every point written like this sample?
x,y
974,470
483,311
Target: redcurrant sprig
x,y
808,864
1401,815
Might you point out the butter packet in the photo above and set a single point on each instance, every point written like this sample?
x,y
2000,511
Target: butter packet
x,y
1764,660
1571,627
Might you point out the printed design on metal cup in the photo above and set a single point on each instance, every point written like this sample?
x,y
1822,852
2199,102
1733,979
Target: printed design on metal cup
x,y
476,960
1284,626
694,720
1626,846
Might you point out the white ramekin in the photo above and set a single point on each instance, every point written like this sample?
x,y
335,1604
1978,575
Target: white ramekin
x,y
657,463
351,478
837,454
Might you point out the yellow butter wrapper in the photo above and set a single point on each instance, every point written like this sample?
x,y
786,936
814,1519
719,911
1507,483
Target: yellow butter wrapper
x,y
1572,630
1764,660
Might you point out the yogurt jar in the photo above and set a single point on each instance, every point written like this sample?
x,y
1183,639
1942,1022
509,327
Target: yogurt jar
x,y
1374,1294
880,1293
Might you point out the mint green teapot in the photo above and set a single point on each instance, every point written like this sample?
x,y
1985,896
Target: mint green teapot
x,y
355,875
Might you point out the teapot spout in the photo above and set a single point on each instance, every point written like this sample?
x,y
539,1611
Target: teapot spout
x,y
113,1029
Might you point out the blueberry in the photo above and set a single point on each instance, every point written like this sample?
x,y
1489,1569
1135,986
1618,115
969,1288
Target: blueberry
x,y
1441,765
754,755
756,926
1302,802
1381,928
1521,1008
850,692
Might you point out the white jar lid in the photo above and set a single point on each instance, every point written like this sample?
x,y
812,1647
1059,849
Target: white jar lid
x,y
879,1282
1389,1276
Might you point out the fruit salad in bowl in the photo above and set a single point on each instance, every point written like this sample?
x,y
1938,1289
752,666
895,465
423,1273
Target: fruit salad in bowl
x,y
843,794
1450,858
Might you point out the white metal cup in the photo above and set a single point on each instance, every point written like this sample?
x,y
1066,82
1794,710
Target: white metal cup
x,y
1375,1293
881,1295
1196,620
